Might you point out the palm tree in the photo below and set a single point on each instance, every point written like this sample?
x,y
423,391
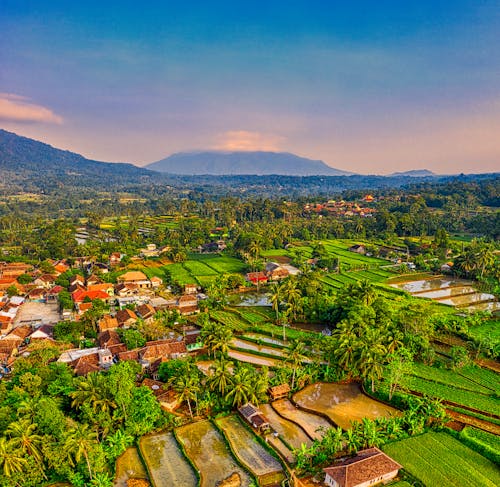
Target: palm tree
x,y
221,375
241,387
79,441
292,296
93,390
11,458
187,386
351,440
222,339
276,299
367,292
296,357
23,436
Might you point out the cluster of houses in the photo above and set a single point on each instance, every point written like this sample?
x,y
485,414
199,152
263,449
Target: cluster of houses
x,y
343,208
272,272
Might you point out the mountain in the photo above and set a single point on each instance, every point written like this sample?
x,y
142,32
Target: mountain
x,y
23,159
415,173
231,163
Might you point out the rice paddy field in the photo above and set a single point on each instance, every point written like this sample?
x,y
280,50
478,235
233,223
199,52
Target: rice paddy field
x,y
470,387
207,449
250,452
312,424
129,466
165,462
437,459
342,403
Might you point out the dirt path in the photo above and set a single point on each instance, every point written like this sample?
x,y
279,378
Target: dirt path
x,y
477,423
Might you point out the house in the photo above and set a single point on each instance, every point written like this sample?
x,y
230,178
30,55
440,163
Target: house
x,y
103,286
126,290
159,303
93,279
45,332
77,280
187,304
61,267
156,282
108,322
256,277
108,338
45,281
115,258
146,312
279,392
168,399
275,272
87,364
149,251
212,247
135,277
53,293
82,295
254,417
126,317
357,249
129,355
190,289
368,467
105,358
37,294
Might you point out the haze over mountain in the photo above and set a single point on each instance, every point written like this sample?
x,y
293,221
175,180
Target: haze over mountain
x,y
243,162
415,173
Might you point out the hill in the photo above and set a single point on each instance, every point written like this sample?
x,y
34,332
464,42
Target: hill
x,y
415,173
27,160
251,163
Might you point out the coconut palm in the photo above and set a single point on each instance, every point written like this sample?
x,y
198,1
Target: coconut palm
x,y
221,375
187,386
93,390
295,357
23,436
276,299
11,458
78,443
241,387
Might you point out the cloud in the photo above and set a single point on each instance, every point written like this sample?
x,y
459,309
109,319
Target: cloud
x,y
243,140
19,109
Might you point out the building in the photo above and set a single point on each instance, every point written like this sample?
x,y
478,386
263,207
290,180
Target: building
x,y
256,277
279,392
126,317
276,272
135,277
254,417
368,467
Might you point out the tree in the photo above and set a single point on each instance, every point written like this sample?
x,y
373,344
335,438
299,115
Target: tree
x,y
23,436
79,442
295,357
11,458
93,390
220,378
187,387
241,387
397,370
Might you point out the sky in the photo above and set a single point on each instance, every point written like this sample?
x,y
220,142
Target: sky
x,y
368,86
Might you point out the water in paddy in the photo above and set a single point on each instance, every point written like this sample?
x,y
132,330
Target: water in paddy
x,y
490,306
208,451
312,424
252,359
293,434
468,299
430,284
248,450
239,343
342,403
447,292
165,461
129,466
250,299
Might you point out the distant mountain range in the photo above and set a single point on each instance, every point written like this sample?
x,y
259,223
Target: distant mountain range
x,y
251,163
415,173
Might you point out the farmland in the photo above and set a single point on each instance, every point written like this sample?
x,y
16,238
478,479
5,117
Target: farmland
x,y
129,466
207,449
250,452
437,459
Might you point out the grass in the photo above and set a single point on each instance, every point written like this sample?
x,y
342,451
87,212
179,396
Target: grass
x,y
487,331
480,436
230,319
437,459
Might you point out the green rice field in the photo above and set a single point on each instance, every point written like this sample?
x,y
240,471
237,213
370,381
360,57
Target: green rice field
x,y
437,459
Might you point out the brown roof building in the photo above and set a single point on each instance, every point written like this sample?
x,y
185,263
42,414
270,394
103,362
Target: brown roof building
x,y
254,416
108,322
278,392
368,467
126,317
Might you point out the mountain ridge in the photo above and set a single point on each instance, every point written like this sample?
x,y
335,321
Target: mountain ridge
x,y
204,162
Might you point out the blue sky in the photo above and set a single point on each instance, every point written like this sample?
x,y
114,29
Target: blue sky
x,y
370,87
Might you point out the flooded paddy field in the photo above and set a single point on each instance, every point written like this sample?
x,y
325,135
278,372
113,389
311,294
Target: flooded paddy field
x,y
254,347
207,449
342,403
129,466
253,359
292,433
165,461
312,424
250,452
450,291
